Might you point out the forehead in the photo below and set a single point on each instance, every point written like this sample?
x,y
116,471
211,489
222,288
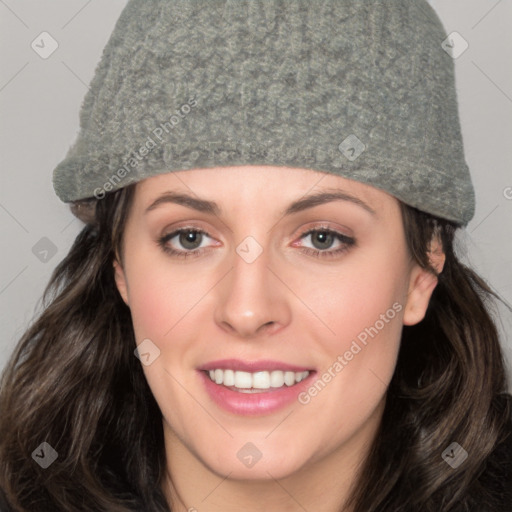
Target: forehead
x,y
269,186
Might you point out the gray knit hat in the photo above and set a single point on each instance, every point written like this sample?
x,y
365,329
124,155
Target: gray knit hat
x,y
361,89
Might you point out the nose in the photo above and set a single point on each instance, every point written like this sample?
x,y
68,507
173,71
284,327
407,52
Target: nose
x,y
252,299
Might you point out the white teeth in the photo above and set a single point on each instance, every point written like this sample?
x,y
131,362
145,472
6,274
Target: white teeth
x,y
243,380
256,380
261,380
229,378
277,379
289,378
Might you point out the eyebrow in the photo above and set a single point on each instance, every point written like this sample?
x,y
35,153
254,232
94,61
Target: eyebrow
x,y
211,207
201,205
325,197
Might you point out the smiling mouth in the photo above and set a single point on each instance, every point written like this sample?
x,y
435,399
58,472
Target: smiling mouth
x,y
256,382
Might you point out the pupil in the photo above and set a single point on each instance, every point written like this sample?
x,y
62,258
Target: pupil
x,y
325,238
188,239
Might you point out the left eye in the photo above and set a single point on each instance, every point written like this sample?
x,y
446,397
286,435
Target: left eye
x,y
322,240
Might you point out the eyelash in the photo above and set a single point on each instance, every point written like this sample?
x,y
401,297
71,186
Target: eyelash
x,y
347,242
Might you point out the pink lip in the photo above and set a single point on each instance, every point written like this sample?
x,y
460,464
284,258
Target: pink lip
x,y
253,404
252,366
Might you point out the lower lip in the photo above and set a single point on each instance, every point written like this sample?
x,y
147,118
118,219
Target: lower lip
x,y
251,404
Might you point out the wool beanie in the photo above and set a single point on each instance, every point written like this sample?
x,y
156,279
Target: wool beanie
x,y
360,89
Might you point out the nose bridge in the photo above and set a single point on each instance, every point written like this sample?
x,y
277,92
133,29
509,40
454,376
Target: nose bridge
x,y
251,297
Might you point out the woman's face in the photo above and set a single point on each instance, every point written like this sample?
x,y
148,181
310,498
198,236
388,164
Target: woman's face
x,y
266,284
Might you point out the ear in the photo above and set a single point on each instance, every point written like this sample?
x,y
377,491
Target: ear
x,y
422,284
120,278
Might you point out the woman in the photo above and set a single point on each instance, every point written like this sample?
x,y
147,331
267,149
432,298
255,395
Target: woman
x,y
264,310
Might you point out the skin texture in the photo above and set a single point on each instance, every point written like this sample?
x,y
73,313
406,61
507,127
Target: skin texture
x,y
287,305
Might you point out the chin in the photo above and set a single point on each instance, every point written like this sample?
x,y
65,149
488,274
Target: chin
x,y
261,470
252,457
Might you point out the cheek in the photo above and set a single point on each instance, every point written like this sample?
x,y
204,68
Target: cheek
x,y
363,295
358,337
150,307
165,305
160,296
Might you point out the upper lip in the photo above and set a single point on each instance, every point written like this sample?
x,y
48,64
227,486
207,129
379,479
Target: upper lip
x,y
252,366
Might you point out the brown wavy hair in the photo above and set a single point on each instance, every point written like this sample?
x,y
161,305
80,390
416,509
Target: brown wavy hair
x,y
74,382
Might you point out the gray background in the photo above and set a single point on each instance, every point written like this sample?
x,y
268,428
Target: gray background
x,y
39,106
